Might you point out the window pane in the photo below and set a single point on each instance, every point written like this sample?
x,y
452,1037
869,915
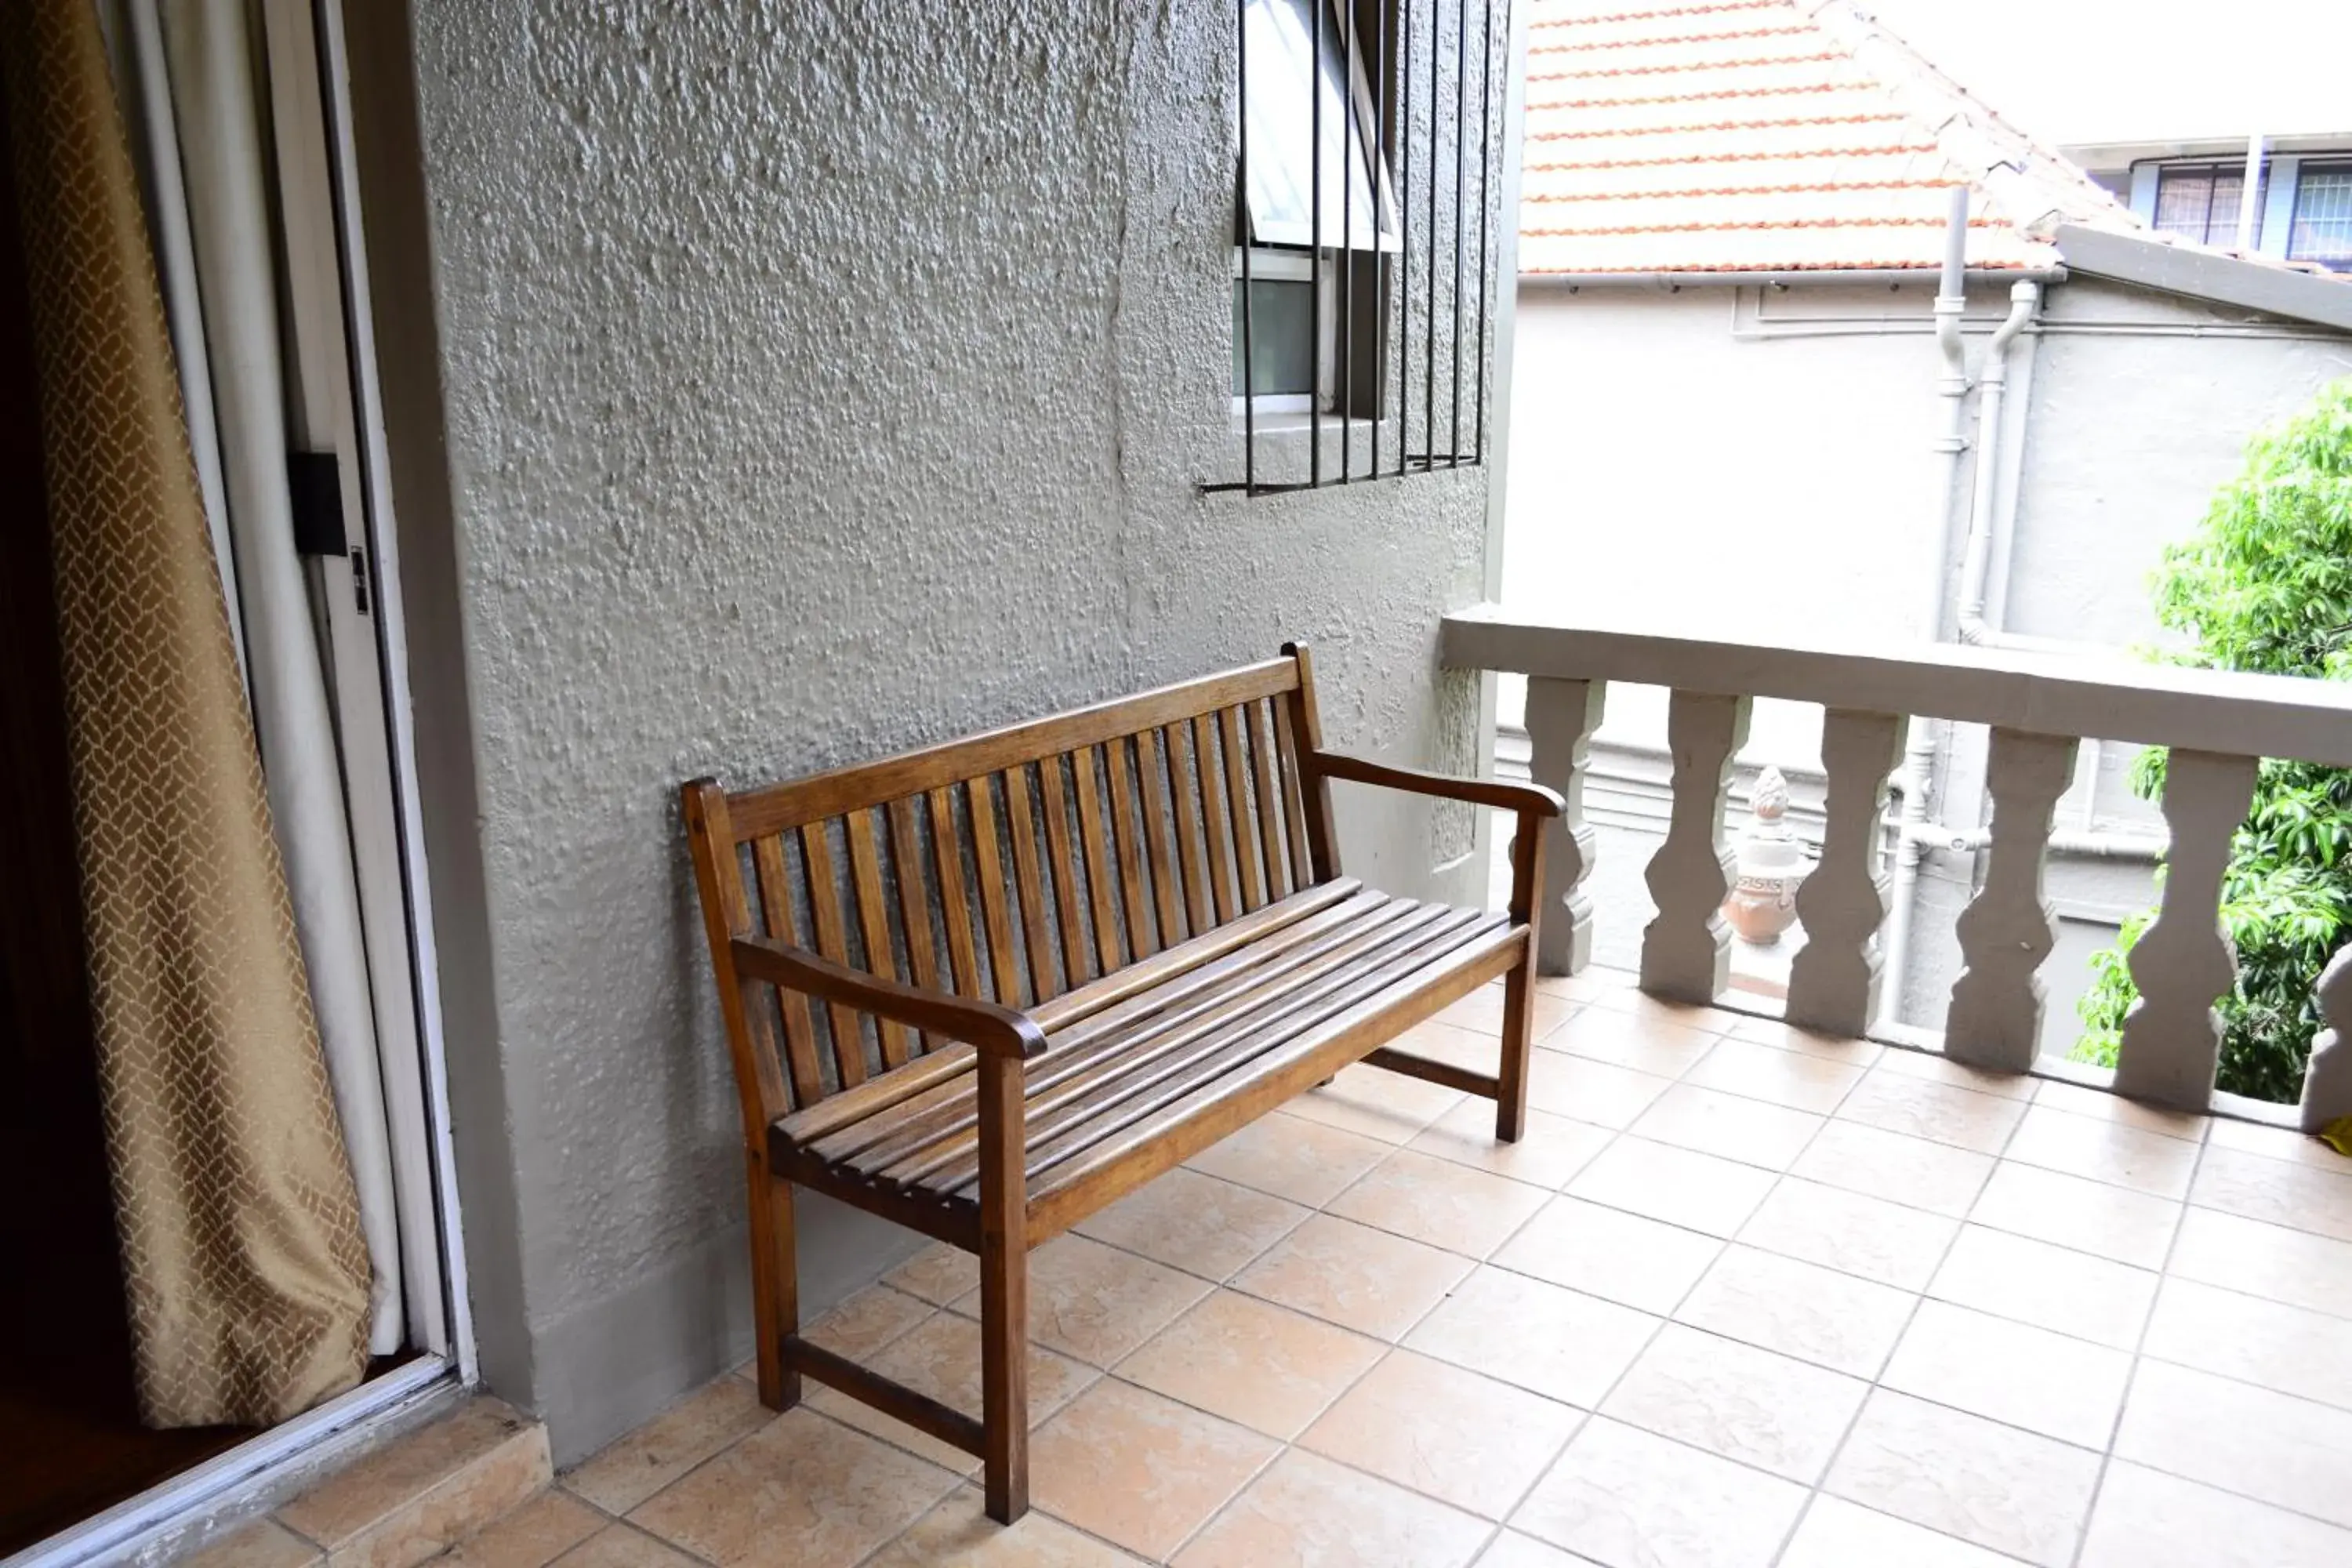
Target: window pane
x,y
1283,86
1281,336
2322,230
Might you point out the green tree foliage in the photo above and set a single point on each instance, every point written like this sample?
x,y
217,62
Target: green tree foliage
x,y
2265,585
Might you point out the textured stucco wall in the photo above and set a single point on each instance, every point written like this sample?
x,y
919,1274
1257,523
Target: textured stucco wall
x,y
823,380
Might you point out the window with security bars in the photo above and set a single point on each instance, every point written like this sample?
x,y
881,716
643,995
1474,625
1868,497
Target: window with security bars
x,y
2321,230
1363,243
2199,202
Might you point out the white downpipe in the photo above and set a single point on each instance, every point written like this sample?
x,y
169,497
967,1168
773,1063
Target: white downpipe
x,y
1984,509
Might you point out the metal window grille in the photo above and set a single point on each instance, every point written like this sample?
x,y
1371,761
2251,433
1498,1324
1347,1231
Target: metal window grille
x,y
2199,202
2322,227
1405,104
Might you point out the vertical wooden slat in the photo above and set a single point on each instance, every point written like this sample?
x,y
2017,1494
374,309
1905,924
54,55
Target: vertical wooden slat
x,y
1077,962
800,1029
947,855
1302,868
1127,834
1184,781
1003,964
1269,810
1097,853
914,903
874,923
1246,859
833,943
1215,837
1315,790
1035,928
1151,767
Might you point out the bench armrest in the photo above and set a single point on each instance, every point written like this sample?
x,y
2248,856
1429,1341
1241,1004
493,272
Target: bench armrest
x,y
1519,797
984,1025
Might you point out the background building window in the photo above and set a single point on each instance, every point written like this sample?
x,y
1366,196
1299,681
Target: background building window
x,y
2322,228
2199,201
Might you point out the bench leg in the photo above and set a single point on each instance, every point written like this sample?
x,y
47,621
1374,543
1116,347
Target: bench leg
x,y
1511,1091
1003,1291
775,1285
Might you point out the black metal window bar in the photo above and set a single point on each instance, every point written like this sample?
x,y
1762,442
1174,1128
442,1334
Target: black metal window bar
x,y
1391,60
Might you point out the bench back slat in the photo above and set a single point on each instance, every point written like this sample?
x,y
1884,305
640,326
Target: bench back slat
x,y
1011,866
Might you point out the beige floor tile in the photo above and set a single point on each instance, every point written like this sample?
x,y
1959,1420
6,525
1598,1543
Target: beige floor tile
x,y
1629,1498
1926,1175
938,1274
841,1407
1481,1012
1836,1534
1292,1158
640,1464
2276,1143
1475,1049
2266,1260
1631,999
2081,1099
1855,1234
1306,1510
1550,1149
2049,1286
2277,1192
1098,1303
1968,1477
867,1321
532,1536
2145,1518
1650,1045
2047,1382
1942,1112
1375,1103
1936,1068
1467,1441
1808,1042
1594,980
960,1534
1802,1309
623,1546
1794,1078
1587,1091
1140,1469
1730,1125
2291,1452
1194,1222
1561,1343
802,1491
1608,1253
1680,1186
1512,1549
1440,1203
1354,1275
942,1359
2073,1210
1268,1367
1770,1411
264,1543
2149,1163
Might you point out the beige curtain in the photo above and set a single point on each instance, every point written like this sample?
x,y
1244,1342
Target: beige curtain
x,y
247,1276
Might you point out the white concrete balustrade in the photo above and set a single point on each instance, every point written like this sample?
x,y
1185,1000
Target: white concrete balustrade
x,y
2039,706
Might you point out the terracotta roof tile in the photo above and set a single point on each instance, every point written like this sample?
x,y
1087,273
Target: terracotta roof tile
x,y
1768,135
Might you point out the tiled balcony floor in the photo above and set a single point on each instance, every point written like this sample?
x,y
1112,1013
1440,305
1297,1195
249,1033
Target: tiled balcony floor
x,y
1741,1297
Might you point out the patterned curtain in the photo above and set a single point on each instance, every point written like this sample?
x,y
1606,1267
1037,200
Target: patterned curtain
x,y
238,1221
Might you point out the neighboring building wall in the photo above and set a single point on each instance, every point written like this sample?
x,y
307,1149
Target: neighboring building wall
x,y
1682,464
819,385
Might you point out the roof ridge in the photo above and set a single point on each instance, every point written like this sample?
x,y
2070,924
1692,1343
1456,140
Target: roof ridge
x,y
1879,149
1786,188
1717,5
1784,123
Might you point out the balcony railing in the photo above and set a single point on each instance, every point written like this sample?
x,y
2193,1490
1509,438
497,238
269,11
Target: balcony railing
x,y
2038,707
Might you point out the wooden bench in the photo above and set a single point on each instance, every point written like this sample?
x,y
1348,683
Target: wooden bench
x,y
986,988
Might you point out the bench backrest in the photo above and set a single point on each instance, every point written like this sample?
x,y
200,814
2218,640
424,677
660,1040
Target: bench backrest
x,y
1012,865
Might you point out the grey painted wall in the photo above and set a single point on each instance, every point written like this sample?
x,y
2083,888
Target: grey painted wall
x,y
817,381
1759,464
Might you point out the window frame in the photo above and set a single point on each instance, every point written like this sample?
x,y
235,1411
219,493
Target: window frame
x,y
2213,170
2303,173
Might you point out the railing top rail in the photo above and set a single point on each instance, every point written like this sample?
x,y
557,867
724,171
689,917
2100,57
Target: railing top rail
x,y
2111,697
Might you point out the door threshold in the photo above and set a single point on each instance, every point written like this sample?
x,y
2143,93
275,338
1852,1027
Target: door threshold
x,y
228,1487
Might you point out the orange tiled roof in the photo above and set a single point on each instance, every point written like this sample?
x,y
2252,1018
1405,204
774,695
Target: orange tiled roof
x,y
1768,135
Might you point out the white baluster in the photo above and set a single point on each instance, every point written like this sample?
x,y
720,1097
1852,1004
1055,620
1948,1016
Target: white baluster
x,y
2172,1037
1687,949
1833,980
1561,716
2327,1080
1995,1019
